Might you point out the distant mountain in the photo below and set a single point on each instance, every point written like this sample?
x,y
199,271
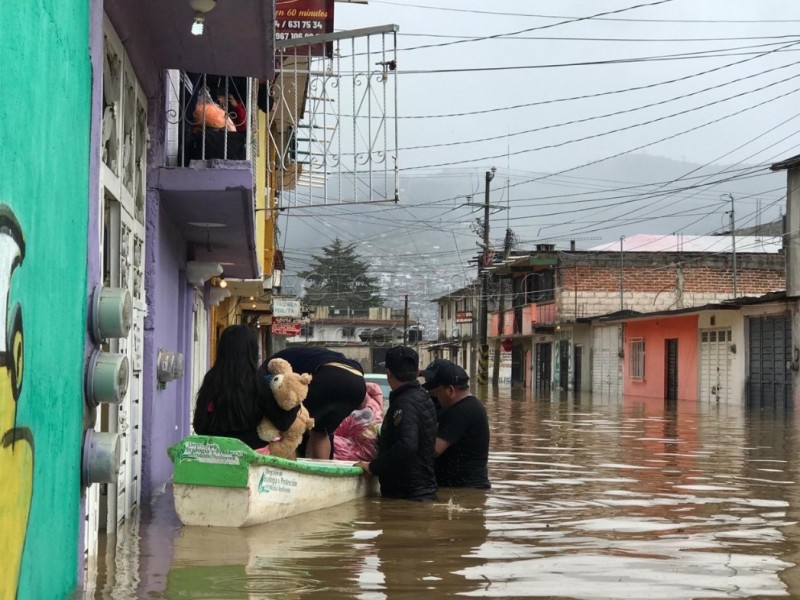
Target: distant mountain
x,y
775,228
423,245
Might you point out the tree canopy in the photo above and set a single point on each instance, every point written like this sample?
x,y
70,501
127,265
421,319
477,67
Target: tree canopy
x,y
339,277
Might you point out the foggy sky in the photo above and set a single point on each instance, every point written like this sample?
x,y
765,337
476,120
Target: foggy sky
x,y
431,226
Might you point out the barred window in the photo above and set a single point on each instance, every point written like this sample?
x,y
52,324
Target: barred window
x,y
636,359
348,332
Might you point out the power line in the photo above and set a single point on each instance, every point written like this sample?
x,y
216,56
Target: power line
x,y
604,39
587,96
566,21
629,110
589,137
598,18
612,61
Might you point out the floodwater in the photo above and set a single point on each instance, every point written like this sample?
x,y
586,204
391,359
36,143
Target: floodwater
x,y
591,499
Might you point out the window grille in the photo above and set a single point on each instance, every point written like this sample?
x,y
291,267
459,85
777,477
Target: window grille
x,y
636,358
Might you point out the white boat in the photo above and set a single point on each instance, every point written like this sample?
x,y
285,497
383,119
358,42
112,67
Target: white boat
x,y
222,482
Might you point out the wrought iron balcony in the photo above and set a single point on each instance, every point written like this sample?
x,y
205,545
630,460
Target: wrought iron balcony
x,y
209,117
208,180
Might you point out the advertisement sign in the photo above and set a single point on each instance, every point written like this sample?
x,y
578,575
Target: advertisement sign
x,y
287,329
464,316
302,18
286,307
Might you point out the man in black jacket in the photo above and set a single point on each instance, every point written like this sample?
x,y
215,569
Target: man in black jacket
x,y
406,444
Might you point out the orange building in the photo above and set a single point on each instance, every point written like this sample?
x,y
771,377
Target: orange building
x,y
660,357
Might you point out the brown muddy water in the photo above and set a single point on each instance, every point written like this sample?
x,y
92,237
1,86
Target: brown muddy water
x,y
591,498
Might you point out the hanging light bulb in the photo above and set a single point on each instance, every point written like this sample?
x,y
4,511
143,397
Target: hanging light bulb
x,y
201,7
198,23
222,283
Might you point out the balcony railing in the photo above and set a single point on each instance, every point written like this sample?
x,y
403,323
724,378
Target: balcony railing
x,y
209,117
516,321
520,320
544,313
333,125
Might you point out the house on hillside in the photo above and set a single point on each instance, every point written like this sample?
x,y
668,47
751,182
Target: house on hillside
x,y
553,328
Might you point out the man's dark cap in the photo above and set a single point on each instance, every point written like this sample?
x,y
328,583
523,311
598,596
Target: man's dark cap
x,y
401,359
443,372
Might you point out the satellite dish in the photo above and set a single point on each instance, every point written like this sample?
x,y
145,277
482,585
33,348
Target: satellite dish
x,y
455,334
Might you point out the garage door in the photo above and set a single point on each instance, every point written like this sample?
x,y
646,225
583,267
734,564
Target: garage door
x,y
769,382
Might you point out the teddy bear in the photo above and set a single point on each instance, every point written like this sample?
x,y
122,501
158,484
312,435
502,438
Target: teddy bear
x,y
289,389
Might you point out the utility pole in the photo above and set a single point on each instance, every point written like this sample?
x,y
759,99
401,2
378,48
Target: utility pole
x,y
501,315
621,274
733,247
483,351
405,320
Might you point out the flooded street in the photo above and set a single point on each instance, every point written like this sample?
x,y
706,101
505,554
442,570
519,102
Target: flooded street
x,y
591,499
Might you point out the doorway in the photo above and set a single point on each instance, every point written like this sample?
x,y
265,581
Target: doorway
x,y
671,370
576,381
544,366
563,365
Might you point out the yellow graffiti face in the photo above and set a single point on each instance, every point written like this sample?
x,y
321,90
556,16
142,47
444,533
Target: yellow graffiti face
x,y
16,473
16,443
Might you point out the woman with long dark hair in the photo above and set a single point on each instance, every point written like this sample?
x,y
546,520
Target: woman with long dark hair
x,y
234,398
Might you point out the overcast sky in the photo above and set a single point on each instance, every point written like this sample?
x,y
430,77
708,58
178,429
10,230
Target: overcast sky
x,y
754,97
442,92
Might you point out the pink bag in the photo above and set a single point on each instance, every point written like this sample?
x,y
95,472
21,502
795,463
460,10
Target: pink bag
x,y
355,438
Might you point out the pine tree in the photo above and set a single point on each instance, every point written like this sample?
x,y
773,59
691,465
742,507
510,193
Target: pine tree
x,y
340,278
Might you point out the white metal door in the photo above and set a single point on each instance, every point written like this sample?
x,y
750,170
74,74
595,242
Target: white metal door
x,y
122,184
715,365
606,364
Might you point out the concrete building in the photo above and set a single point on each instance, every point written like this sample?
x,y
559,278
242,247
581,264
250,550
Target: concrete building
x,y
457,319
716,353
791,242
559,295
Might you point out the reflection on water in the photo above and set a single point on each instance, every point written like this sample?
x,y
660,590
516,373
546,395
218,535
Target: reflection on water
x,y
591,499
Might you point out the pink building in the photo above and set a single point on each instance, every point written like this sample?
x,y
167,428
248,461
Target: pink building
x,y
660,357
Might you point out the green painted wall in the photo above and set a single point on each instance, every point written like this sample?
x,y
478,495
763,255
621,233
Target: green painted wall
x,y
44,175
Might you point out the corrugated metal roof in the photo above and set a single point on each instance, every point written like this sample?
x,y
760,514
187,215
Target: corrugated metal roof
x,y
786,164
745,244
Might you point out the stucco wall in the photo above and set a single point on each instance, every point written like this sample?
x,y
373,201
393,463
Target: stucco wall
x,y
44,175
166,411
655,332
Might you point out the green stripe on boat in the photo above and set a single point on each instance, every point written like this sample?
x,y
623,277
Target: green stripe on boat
x,y
224,462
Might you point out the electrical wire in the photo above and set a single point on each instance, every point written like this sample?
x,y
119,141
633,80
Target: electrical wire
x,y
628,111
594,136
598,18
591,63
566,21
585,96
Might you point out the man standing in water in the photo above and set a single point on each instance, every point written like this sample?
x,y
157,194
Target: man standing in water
x,y
404,463
462,439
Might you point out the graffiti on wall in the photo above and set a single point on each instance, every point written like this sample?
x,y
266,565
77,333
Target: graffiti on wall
x,y
16,443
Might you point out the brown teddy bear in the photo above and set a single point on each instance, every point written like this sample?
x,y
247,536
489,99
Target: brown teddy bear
x,y
289,389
